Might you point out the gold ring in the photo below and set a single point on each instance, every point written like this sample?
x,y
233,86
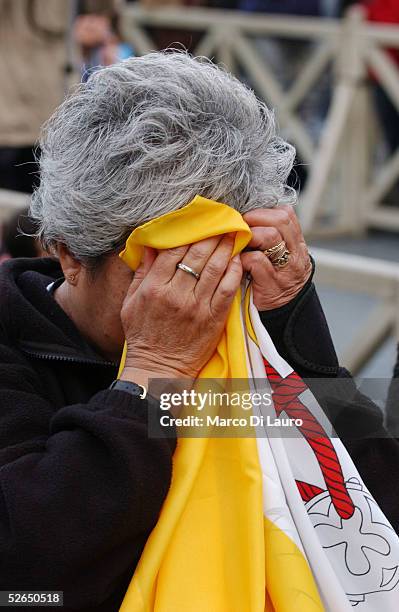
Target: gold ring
x,y
277,247
283,260
278,255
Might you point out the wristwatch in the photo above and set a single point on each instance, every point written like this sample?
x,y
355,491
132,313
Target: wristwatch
x,y
129,387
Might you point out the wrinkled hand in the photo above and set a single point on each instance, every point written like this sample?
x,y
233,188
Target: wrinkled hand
x,y
172,321
273,287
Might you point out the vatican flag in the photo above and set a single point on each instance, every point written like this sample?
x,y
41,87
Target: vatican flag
x,y
264,521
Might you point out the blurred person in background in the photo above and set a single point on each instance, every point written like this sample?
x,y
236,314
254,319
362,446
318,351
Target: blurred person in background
x,y
32,63
33,75
98,35
382,11
386,11
287,7
326,8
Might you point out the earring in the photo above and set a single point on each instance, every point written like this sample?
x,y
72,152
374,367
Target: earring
x,y
72,278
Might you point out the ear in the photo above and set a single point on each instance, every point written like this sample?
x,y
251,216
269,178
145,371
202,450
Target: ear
x,y
71,267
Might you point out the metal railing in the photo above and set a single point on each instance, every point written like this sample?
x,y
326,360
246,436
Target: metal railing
x,y
368,276
340,164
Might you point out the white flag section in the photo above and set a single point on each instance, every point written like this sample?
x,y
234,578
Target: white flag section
x,y
315,495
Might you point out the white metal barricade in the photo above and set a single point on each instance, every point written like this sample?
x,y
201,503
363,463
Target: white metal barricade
x,y
343,153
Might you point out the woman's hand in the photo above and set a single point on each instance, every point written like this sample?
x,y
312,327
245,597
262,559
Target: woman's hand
x,y
172,321
272,286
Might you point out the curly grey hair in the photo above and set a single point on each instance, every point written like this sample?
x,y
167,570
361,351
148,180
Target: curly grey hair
x,y
142,138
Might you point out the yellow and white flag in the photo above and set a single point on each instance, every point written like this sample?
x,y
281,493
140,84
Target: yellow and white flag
x,y
260,523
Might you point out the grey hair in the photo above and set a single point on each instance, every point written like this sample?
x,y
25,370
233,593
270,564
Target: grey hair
x,y
142,138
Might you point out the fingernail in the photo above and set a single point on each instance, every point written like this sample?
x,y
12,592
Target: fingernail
x,y
236,258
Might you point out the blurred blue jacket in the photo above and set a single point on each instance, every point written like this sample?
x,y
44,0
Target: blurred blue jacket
x,y
288,7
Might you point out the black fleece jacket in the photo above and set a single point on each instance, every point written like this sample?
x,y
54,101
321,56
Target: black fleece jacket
x,y
81,483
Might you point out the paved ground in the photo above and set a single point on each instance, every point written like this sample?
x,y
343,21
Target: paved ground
x,y
381,245
345,311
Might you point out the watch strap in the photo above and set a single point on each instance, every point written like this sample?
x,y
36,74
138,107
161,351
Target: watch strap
x,y
129,387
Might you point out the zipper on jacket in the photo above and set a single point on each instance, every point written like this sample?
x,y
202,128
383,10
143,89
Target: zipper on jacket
x,y
80,360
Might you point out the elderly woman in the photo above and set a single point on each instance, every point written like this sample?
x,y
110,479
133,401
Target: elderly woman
x,y
82,483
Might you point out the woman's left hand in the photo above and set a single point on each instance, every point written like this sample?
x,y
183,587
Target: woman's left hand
x,y
273,286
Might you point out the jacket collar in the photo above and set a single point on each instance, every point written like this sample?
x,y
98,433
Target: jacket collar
x,y
33,320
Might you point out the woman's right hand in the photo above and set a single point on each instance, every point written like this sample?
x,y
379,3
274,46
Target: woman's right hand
x,y
172,321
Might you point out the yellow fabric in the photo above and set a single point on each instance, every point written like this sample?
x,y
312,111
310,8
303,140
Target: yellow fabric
x,y
290,583
207,552
200,219
282,556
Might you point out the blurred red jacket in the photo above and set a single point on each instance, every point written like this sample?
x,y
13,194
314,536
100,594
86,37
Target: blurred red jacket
x,y
384,11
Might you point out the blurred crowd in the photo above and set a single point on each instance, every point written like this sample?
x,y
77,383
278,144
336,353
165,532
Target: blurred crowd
x,y
43,44
39,42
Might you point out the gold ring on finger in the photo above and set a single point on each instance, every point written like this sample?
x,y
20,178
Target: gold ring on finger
x,y
283,260
275,249
278,255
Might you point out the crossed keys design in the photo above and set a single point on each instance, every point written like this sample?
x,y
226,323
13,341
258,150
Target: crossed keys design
x,y
344,514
